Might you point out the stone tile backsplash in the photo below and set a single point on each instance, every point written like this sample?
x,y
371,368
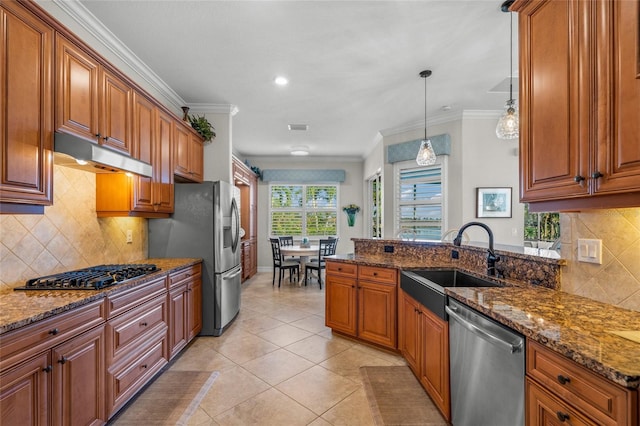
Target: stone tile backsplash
x,y
68,236
617,280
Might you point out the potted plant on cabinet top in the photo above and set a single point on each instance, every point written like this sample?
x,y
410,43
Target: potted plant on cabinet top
x,y
203,126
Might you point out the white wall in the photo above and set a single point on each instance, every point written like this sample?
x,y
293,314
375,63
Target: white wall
x,y
351,191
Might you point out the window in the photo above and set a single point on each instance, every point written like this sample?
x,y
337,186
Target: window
x,y
539,227
303,210
419,201
375,206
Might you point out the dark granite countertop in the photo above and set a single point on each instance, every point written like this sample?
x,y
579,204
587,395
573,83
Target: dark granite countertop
x,y
574,326
20,308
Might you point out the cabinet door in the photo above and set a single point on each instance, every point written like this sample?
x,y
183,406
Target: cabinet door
x,y
115,112
194,304
178,308
409,331
618,125
143,139
554,100
340,304
181,150
26,107
77,90
196,158
79,380
163,164
435,360
24,392
377,313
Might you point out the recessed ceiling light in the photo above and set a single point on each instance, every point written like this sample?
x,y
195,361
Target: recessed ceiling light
x,y
303,127
300,150
281,81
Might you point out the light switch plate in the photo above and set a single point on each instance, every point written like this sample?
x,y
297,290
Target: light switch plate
x,y
590,251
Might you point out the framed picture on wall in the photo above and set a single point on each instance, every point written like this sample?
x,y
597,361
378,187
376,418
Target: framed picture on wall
x,y
493,202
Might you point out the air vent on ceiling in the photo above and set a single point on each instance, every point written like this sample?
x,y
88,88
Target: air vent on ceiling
x,y
303,127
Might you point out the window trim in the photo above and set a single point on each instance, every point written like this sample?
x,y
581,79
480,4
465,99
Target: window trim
x,y
442,162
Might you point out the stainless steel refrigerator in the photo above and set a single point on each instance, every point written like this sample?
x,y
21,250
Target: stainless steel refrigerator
x,y
205,224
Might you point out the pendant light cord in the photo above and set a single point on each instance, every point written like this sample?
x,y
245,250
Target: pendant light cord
x,y
425,108
510,57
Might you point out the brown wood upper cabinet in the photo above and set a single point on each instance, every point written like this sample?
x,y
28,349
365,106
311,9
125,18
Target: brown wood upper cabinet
x,y
92,102
188,153
579,103
26,114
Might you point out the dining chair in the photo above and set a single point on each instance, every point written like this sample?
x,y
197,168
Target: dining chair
x,y
288,241
281,264
327,247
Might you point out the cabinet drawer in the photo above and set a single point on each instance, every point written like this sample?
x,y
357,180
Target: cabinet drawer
x,y
380,275
180,276
135,325
123,301
346,269
128,377
596,396
545,409
24,342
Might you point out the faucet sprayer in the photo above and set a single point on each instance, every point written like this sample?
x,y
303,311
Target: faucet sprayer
x,y
492,258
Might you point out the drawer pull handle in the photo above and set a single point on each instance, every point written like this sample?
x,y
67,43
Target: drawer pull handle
x,y
143,324
562,416
143,366
563,380
375,274
339,269
578,178
63,360
47,369
596,175
54,331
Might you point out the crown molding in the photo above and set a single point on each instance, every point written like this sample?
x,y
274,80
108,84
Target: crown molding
x,y
214,108
97,29
442,119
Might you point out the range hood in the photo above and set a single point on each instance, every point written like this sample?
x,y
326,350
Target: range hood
x,y
96,159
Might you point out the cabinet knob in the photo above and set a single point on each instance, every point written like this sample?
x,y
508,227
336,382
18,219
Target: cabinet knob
x,y
563,380
578,178
143,366
375,274
47,369
562,416
63,360
54,331
106,138
98,135
143,324
596,175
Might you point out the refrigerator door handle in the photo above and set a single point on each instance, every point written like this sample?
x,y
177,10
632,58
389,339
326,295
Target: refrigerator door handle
x,y
235,274
236,231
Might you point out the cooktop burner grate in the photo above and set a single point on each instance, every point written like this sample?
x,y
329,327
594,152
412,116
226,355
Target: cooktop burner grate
x,y
92,278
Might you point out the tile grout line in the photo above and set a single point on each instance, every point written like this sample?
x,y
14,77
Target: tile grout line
x,y
193,406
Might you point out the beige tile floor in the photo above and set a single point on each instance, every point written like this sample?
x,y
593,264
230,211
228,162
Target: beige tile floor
x,y
276,365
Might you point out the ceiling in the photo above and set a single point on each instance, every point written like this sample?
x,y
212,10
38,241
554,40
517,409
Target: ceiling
x,y
352,65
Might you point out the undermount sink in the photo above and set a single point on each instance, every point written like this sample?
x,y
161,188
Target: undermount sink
x,y
427,286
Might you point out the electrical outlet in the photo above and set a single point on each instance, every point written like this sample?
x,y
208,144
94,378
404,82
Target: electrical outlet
x,y
129,236
388,249
455,254
590,251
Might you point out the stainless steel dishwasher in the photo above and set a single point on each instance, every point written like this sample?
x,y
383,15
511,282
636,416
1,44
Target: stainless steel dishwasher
x,y
487,370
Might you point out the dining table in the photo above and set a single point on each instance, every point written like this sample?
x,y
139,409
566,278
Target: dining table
x,y
304,253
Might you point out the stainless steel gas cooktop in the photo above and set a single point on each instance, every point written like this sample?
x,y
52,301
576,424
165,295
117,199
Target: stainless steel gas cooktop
x,y
92,278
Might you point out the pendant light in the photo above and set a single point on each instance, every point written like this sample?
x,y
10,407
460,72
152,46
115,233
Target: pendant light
x,y
508,124
426,155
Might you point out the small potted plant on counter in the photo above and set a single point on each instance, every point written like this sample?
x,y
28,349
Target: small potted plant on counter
x,y
203,126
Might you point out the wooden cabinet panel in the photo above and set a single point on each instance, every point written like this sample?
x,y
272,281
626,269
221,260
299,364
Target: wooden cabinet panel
x,y
125,300
163,164
115,112
435,360
77,90
377,313
580,104
543,409
143,139
178,334
409,332
188,152
196,158
194,306
377,274
78,380
185,307
341,307
26,109
24,392
347,269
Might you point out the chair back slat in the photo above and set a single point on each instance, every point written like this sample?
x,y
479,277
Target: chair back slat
x,y
286,241
275,251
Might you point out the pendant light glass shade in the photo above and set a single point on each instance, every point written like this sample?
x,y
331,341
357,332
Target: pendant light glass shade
x,y
426,155
509,125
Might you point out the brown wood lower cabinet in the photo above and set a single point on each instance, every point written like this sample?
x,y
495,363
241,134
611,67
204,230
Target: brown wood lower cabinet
x,y
63,382
424,342
559,391
361,301
185,307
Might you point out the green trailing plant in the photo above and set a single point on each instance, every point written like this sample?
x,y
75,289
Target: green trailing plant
x,y
203,126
